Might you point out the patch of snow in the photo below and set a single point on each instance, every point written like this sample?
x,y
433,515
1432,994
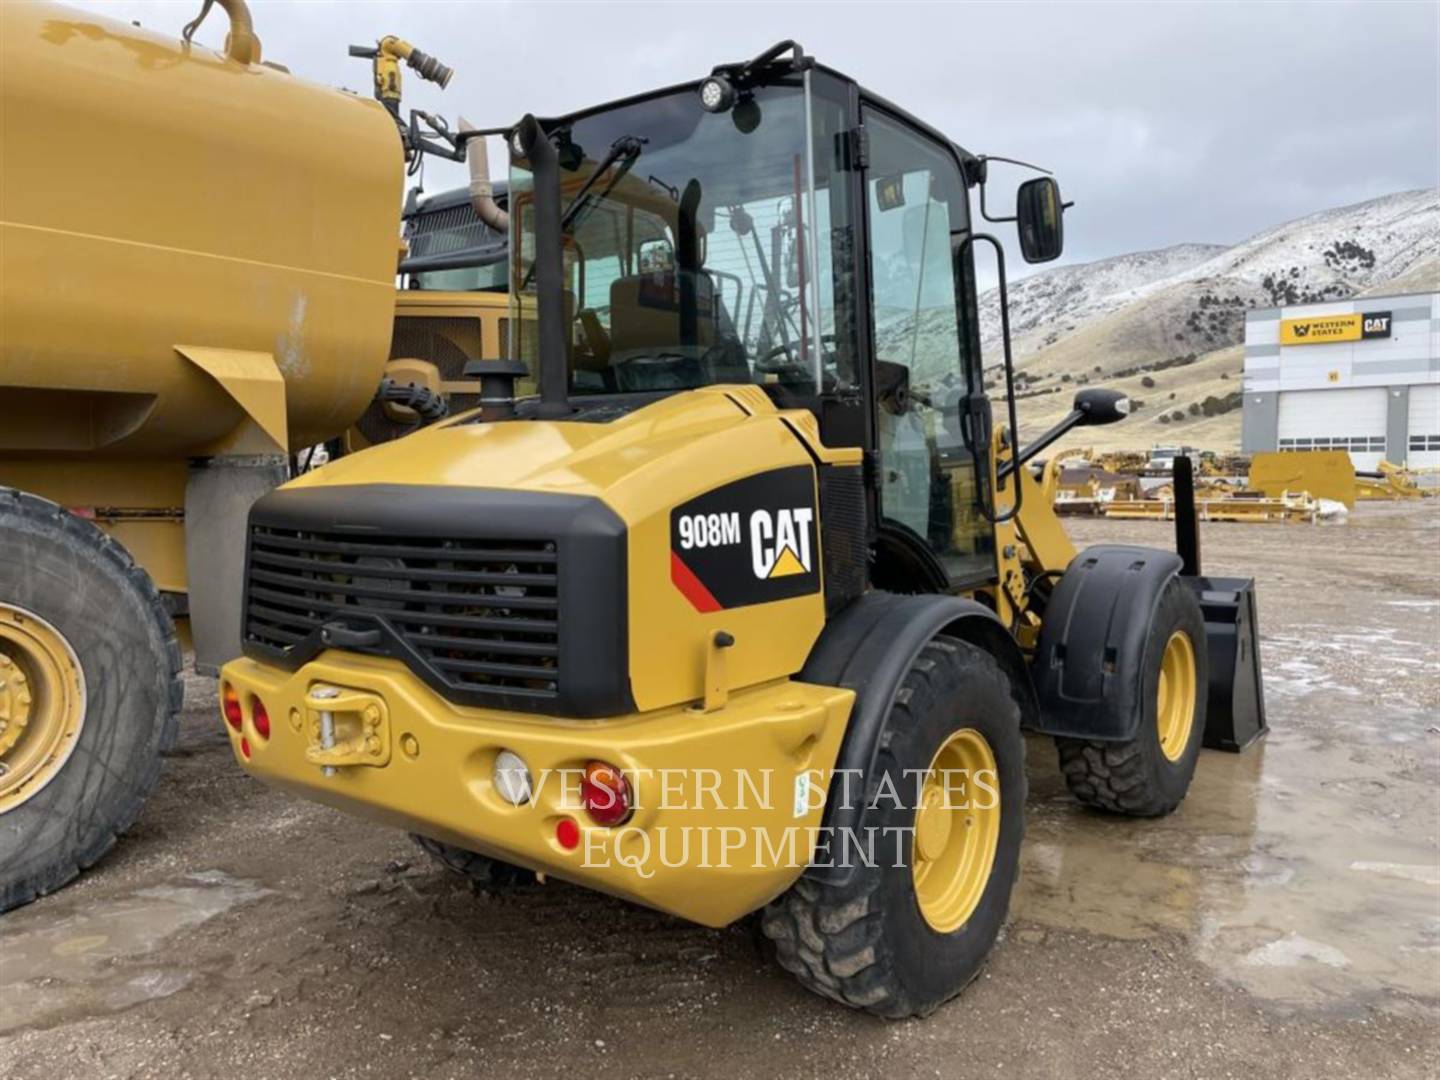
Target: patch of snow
x,y
1291,949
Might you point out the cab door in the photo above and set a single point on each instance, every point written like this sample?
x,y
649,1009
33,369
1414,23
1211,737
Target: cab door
x,y
925,350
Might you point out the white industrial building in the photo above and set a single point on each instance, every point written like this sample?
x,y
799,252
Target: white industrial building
x,y
1360,375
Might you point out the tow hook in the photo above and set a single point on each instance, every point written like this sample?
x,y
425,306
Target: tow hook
x,y
346,728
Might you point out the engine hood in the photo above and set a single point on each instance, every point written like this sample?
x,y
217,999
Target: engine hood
x,y
675,486
576,458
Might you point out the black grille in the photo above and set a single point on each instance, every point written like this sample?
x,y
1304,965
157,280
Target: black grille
x,y
449,229
461,584
449,342
481,615
843,535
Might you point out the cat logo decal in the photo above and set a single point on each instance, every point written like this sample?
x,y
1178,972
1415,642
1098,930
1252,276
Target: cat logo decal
x,y
748,542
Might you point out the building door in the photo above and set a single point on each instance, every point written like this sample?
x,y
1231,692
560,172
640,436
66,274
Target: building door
x,y
1341,419
1423,444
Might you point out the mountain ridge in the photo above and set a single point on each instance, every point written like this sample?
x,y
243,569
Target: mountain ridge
x,y
1173,317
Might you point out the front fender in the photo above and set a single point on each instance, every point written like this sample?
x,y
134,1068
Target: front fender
x,y
1089,665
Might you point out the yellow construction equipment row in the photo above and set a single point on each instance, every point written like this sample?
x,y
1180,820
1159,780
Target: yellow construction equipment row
x,y
1297,506
1289,486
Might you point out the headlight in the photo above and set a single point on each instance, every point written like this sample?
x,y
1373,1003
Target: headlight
x,y
512,778
716,94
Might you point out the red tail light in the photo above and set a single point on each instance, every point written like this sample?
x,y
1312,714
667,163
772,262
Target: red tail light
x,y
230,705
605,794
245,748
567,833
260,718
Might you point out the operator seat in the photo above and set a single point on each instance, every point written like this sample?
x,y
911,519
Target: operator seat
x,y
645,310
645,318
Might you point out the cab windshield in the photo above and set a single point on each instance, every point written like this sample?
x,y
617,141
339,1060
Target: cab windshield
x,y
693,250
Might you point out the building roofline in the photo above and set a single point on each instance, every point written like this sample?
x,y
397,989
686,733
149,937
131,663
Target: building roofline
x,y
1343,300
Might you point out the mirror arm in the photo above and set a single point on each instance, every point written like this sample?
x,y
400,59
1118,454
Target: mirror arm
x,y
983,164
1075,417
985,214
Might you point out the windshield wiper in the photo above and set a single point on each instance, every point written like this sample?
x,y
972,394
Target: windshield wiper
x,y
626,150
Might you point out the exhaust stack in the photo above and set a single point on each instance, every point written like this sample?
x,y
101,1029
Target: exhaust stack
x,y
553,358
482,191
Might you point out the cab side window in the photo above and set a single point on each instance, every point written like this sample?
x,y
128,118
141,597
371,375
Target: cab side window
x,y
917,214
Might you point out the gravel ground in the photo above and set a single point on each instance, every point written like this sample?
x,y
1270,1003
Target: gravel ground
x,y
1284,922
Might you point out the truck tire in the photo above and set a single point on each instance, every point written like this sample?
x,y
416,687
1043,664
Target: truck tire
x,y
90,694
913,926
481,869
1149,775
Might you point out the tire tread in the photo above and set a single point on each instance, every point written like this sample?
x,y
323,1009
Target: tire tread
x,y
123,811
480,869
830,936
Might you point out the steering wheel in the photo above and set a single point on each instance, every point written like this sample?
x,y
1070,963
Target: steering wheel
x,y
767,361
660,370
767,365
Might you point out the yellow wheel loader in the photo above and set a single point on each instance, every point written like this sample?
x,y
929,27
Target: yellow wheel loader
x,y
198,256
745,610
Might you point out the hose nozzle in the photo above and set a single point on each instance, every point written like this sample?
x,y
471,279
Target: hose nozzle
x,y
385,59
429,68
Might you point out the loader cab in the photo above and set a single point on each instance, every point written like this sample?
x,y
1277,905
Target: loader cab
x,y
776,225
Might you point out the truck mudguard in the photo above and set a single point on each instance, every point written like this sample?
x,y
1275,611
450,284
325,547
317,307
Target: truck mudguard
x,y
1088,669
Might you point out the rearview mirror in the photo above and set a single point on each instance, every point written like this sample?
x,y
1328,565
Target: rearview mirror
x,y
1101,406
1040,219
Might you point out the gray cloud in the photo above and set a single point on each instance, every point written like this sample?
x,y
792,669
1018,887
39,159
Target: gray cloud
x,y
1165,122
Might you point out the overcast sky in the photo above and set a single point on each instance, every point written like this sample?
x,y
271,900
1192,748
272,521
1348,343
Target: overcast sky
x,y
1164,122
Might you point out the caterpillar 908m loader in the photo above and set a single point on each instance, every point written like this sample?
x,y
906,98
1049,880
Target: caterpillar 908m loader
x,y
198,256
748,608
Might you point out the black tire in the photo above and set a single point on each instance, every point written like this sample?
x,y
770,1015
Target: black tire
x,y
866,943
480,869
1135,778
85,585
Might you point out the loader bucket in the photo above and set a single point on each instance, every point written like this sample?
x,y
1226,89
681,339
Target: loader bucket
x,y
1235,715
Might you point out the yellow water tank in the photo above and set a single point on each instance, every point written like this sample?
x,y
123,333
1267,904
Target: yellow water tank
x,y
162,202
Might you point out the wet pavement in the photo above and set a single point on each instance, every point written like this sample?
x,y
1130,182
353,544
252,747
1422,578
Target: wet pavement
x,y
1284,922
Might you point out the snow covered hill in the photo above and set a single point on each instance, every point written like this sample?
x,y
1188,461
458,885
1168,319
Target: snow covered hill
x,y
1172,317
1056,301
1330,255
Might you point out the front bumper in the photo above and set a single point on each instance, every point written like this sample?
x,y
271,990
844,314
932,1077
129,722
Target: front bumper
x,y
727,802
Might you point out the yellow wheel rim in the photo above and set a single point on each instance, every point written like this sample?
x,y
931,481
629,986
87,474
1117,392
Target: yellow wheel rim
x,y
957,830
1175,696
42,704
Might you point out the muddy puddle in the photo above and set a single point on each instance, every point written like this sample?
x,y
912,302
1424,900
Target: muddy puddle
x,y
62,957
1307,870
